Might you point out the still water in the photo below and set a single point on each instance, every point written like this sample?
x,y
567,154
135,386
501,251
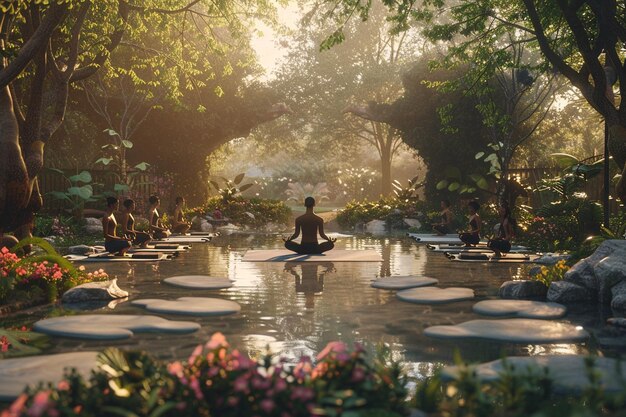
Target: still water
x,y
297,308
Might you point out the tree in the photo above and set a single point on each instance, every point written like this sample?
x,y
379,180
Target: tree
x,y
47,47
580,39
326,87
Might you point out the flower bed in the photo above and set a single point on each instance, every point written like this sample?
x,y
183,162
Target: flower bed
x,y
219,381
392,210
40,276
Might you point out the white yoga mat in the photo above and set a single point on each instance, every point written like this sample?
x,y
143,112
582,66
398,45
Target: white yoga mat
x,y
335,255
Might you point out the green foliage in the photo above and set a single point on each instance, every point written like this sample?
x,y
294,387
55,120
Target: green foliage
x,y
230,188
549,274
217,380
392,210
79,190
15,343
410,191
253,212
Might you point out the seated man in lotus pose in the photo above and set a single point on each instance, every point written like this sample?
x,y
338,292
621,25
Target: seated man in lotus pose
x,y
112,242
156,228
310,224
179,225
128,225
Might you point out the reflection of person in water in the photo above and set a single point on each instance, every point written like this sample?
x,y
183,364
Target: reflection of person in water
x,y
310,224
311,279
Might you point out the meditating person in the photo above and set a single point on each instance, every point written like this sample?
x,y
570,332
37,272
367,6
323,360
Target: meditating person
x,y
156,227
179,225
445,226
310,224
502,243
472,237
128,225
112,242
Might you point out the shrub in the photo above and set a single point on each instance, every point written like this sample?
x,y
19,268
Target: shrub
x,y
254,212
392,210
548,274
220,381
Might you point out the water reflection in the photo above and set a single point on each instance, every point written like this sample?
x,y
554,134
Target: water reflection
x,y
309,277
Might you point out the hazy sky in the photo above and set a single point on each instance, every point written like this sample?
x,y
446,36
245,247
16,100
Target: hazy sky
x,y
266,46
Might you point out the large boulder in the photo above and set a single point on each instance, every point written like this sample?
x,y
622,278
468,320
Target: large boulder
x,y
600,272
618,296
565,292
93,225
413,223
522,290
551,258
376,227
94,291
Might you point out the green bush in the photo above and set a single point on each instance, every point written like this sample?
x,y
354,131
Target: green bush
x,y
392,210
238,210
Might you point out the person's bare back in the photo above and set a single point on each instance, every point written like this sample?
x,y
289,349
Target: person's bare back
x,y
310,224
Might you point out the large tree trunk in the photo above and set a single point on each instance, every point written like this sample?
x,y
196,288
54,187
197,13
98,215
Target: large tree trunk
x,y
14,180
385,170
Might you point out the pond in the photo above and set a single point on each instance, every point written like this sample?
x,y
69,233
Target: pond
x,y
297,308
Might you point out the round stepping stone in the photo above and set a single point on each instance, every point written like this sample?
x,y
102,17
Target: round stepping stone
x,y
18,373
110,326
403,282
199,282
568,373
193,306
435,295
511,330
520,308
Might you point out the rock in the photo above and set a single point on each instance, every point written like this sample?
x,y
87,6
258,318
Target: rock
x,y
550,258
511,330
568,373
376,227
403,282
94,291
524,289
81,250
565,292
413,223
205,226
534,271
93,225
18,373
435,295
192,306
618,296
199,282
110,326
601,271
520,308
619,322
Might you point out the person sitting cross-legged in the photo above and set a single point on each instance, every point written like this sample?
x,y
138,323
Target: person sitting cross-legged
x,y
156,228
112,242
128,225
179,225
310,224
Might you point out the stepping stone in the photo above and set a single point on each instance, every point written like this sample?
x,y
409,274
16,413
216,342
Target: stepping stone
x,y
18,373
567,372
199,282
511,330
110,326
520,308
403,282
435,295
193,306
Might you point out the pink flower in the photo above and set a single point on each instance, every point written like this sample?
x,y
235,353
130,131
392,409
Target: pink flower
x,y
337,347
63,385
4,250
175,368
357,375
241,384
194,355
217,340
267,405
40,404
195,386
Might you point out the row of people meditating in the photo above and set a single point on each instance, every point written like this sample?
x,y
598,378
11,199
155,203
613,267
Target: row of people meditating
x,y
499,244
119,244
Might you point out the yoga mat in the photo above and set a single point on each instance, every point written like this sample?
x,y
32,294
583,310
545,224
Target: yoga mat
x,y
106,257
426,238
335,255
489,258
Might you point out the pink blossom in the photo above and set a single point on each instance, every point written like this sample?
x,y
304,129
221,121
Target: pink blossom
x,y
217,340
241,384
357,374
195,386
175,368
63,385
337,347
194,355
40,404
267,405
